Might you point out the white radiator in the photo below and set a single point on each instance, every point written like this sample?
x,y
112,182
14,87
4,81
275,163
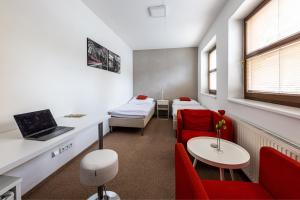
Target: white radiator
x,y
253,138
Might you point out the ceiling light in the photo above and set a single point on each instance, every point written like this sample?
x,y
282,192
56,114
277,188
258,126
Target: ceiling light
x,y
157,11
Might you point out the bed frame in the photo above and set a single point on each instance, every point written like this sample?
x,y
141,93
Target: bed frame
x,y
131,122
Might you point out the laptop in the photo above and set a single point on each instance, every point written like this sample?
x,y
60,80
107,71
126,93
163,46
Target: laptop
x,y
39,125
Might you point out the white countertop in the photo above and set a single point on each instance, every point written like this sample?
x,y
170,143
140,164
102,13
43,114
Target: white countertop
x,y
14,150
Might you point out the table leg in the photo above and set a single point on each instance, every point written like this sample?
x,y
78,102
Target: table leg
x,y
100,135
195,163
231,174
222,174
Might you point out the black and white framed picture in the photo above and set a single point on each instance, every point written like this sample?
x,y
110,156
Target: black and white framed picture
x,y
97,55
114,62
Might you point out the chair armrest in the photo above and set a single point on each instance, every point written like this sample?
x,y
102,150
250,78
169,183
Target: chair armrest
x,y
179,126
279,174
188,183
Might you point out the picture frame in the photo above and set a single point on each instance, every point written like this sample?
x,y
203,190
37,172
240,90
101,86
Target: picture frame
x,y
114,62
97,55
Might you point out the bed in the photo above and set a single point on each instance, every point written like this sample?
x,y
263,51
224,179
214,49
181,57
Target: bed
x,y
135,114
180,105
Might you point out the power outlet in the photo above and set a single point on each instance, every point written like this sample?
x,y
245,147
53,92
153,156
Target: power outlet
x,y
65,147
61,149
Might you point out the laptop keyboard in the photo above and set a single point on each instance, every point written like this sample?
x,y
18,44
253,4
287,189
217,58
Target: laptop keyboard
x,y
50,131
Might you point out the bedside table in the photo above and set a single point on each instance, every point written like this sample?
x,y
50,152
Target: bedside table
x,y
162,105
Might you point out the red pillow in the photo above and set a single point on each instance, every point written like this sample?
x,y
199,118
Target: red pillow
x,y
184,99
198,120
141,97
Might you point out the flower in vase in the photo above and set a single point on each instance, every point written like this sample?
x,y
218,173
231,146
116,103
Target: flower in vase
x,y
222,123
221,112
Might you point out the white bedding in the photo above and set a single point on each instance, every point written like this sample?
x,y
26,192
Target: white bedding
x,y
134,109
180,105
185,103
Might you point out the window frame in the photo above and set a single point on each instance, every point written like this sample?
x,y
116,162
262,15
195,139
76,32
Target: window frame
x,y
210,91
276,98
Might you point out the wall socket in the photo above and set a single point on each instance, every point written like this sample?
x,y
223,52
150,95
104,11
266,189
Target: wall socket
x,y
65,148
61,149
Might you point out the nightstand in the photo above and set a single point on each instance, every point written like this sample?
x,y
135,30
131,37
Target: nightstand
x,y
162,105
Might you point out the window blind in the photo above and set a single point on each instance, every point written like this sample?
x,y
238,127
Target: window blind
x,y
272,52
276,71
212,59
277,20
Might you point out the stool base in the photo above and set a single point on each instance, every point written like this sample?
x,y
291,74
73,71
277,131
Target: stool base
x,y
110,195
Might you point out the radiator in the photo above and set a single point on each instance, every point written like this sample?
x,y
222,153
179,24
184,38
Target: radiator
x,y
253,138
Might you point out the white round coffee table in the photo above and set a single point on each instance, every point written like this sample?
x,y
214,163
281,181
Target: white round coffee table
x,y
231,156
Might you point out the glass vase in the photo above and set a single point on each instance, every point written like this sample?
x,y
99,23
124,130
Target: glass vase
x,y
219,140
218,144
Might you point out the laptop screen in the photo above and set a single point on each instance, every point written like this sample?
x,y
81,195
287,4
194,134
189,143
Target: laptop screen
x,y
33,122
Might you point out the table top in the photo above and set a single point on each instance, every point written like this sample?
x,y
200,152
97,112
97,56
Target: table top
x,y
231,156
14,150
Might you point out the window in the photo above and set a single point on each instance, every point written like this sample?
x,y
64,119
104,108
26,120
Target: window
x,y
272,53
212,71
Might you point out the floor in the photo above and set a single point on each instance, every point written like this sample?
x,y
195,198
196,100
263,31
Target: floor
x,y
146,167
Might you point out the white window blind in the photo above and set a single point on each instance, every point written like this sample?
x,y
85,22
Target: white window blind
x,y
212,59
273,69
277,20
277,71
213,81
262,28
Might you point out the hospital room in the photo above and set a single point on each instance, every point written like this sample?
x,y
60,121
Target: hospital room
x,y
149,99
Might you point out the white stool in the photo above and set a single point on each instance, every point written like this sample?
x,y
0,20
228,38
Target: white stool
x,y
96,169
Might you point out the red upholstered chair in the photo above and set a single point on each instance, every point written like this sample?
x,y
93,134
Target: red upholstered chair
x,y
188,184
279,178
194,123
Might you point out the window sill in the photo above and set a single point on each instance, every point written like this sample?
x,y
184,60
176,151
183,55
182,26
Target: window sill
x,y
209,95
279,109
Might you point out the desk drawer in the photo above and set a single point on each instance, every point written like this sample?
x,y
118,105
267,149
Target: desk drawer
x,y
162,102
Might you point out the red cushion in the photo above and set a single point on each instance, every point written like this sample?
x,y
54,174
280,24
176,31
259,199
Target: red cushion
x,y
279,174
184,99
141,97
234,190
188,134
200,120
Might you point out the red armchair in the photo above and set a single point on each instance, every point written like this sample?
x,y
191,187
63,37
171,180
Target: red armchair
x,y
279,178
194,123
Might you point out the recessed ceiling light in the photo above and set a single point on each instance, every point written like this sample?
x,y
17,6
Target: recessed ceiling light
x,y
157,11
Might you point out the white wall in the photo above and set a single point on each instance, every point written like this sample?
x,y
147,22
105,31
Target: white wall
x,y
43,60
156,69
230,81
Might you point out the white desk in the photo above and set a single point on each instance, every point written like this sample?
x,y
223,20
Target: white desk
x,y
231,156
15,151
11,184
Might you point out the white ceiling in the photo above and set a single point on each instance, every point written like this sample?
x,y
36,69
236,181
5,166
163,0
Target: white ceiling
x,y
184,26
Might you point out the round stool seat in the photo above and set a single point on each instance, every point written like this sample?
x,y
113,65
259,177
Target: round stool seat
x,y
98,167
